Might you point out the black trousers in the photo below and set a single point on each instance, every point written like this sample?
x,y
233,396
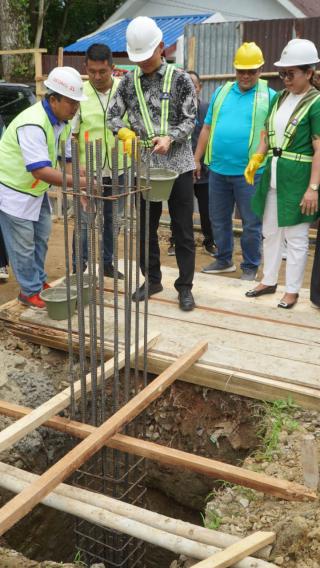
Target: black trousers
x,y
201,191
315,276
181,212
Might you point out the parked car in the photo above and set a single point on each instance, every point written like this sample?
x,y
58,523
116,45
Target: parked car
x,y
14,98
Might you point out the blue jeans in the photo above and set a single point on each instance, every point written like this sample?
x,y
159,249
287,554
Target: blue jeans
x,y
224,193
27,244
107,227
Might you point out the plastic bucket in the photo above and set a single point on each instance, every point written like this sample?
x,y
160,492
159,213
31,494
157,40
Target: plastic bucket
x,y
73,283
56,301
161,181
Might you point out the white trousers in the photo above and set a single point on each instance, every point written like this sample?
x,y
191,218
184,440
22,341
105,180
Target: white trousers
x,y
297,237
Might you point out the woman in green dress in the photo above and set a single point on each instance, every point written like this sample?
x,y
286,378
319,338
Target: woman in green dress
x,y
287,196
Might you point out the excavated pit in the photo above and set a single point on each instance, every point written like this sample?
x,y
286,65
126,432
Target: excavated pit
x,y
194,419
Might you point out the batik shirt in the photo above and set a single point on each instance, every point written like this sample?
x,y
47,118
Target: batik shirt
x,y
182,114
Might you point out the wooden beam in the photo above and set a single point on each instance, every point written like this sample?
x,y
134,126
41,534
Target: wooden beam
x,y
39,415
191,52
237,551
22,51
259,481
20,505
60,56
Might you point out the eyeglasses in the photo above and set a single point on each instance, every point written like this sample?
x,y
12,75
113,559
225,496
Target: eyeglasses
x,y
247,71
290,75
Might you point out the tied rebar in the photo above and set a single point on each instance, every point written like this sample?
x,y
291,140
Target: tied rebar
x,y
110,472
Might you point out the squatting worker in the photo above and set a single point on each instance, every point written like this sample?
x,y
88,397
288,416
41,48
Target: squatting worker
x,y
287,196
90,120
230,135
30,150
141,94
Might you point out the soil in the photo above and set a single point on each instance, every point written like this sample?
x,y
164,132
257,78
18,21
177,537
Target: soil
x,y
195,419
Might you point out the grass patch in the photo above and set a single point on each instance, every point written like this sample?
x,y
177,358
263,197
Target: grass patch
x,y
276,417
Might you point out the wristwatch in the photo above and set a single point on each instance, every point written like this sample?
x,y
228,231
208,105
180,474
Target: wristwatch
x,y
314,186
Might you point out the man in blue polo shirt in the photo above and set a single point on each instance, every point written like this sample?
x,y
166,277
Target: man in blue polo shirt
x,y
231,134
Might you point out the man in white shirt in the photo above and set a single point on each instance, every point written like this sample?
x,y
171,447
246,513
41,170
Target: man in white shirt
x,y
30,151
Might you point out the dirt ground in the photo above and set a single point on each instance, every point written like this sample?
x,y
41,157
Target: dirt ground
x,y
56,268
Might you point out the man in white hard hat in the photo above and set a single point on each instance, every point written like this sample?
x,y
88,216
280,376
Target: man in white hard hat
x,y
161,105
30,150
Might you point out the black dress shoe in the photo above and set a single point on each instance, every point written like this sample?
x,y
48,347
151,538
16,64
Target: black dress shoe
x,y
267,290
108,270
186,300
288,305
153,288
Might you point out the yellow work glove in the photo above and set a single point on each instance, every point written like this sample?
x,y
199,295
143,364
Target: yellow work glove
x,y
253,165
126,135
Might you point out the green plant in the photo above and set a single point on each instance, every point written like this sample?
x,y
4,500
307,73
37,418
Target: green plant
x,y
213,520
277,416
77,560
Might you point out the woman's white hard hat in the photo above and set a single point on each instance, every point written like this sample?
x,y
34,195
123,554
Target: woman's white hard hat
x,y
67,82
143,36
298,52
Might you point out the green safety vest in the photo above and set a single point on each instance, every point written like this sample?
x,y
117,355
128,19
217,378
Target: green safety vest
x,y
13,171
93,120
260,111
294,121
165,98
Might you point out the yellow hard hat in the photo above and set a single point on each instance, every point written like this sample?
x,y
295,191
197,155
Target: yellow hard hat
x,y
248,56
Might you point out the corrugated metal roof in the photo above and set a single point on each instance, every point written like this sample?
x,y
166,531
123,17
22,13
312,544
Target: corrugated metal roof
x,y
215,46
115,35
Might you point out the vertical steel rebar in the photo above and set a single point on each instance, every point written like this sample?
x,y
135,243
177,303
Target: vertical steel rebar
x,y
100,225
79,272
67,264
146,261
136,150
92,279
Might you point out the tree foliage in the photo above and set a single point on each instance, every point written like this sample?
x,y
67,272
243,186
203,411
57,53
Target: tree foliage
x,y
67,20
52,23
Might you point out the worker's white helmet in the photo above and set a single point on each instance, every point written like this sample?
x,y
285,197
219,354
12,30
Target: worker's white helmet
x,y
298,52
143,36
67,82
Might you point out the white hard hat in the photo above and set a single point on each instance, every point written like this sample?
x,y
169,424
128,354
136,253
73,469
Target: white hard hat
x,y
67,82
143,36
298,52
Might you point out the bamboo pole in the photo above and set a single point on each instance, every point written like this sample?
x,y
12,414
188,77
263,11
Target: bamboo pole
x,y
116,515
20,505
280,488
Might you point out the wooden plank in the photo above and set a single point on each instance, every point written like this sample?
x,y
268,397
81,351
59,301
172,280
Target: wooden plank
x,y
191,52
20,505
229,556
39,415
237,382
176,458
221,378
22,51
60,56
